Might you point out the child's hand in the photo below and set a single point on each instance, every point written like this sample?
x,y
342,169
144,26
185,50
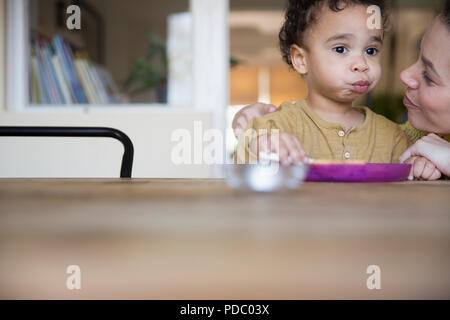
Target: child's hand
x,y
423,169
433,148
284,144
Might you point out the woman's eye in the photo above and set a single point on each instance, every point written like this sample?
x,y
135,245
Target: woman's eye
x,y
426,78
340,50
371,51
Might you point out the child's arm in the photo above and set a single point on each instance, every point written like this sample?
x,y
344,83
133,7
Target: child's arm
x,y
286,145
274,132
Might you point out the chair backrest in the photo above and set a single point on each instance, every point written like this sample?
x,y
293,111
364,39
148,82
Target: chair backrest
x,y
127,159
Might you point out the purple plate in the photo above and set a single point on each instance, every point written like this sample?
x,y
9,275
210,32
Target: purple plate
x,y
370,172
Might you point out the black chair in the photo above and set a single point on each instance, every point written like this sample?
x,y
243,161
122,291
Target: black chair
x,y
127,159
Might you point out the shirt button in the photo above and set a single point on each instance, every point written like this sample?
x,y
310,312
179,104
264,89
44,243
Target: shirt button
x,y
347,155
341,133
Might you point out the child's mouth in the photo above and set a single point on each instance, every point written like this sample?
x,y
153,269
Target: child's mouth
x,y
361,86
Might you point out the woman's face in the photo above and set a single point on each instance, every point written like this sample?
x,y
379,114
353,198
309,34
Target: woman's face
x,y
428,94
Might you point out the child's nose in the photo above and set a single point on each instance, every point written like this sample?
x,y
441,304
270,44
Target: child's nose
x,y
359,65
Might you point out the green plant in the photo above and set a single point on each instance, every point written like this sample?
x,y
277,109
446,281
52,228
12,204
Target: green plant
x,y
149,71
234,62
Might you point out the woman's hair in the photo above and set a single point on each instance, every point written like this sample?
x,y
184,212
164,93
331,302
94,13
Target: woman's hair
x,y
445,15
301,14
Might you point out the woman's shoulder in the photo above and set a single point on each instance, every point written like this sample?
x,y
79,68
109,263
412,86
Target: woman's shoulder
x,y
412,133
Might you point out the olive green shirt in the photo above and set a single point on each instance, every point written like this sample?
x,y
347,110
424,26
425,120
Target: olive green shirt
x,y
377,140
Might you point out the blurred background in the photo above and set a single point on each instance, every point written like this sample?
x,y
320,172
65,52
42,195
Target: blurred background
x,y
152,60
130,41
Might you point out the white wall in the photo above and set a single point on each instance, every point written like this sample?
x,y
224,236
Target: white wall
x,y
2,54
150,132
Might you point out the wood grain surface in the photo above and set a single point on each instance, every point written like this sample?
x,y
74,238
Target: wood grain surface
x,y
199,239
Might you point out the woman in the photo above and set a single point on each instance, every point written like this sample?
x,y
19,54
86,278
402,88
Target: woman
x,y
427,99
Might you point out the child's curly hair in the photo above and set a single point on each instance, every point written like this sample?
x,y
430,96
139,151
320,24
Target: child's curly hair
x,y
300,14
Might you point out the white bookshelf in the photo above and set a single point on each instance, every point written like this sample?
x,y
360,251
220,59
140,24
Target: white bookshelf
x,y
210,58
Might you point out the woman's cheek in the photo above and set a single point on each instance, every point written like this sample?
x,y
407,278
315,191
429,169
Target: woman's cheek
x,y
429,105
435,107
428,99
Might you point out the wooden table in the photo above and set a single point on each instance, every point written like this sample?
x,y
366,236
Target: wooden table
x,y
198,239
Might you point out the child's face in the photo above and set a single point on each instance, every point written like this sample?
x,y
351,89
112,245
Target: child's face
x,y
342,58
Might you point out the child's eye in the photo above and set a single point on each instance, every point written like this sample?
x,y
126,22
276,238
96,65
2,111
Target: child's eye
x,y
371,51
427,78
340,50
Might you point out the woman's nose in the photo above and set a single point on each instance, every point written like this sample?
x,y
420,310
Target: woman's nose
x,y
408,79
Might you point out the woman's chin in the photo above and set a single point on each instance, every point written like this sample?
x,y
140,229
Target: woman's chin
x,y
416,120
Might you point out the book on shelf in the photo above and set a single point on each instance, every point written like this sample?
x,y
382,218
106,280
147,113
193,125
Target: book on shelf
x,y
63,75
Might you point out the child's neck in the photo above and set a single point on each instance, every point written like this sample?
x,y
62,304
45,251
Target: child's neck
x,y
335,111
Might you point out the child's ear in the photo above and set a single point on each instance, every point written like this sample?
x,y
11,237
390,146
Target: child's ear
x,y
298,58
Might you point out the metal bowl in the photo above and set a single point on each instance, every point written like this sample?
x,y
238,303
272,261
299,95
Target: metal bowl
x,y
265,176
